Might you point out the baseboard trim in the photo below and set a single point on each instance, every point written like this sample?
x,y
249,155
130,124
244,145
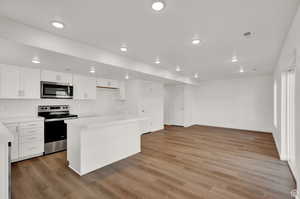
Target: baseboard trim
x,y
292,172
235,129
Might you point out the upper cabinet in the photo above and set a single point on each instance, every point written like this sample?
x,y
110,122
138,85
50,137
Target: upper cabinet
x,y
84,87
19,83
52,76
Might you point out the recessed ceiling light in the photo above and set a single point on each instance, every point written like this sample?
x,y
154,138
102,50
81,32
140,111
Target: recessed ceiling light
x,y
196,41
234,59
126,76
178,69
35,60
157,61
92,70
242,70
124,48
57,24
158,5
196,76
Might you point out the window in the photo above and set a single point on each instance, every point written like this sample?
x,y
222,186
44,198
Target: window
x,y
275,104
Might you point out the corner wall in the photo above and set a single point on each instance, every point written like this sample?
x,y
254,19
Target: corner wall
x,y
245,103
289,51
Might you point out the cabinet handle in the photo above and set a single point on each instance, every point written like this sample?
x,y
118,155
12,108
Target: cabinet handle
x,y
21,93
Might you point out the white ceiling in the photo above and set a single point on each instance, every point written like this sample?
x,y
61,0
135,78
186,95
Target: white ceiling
x,y
13,53
109,23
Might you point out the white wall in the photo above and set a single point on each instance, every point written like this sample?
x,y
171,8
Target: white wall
x,y
245,103
180,103
291,45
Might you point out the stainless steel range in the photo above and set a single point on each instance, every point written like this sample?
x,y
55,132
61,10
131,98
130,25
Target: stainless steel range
x,y
55,127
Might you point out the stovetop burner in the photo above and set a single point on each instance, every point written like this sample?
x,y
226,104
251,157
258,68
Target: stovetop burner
x,y
55,112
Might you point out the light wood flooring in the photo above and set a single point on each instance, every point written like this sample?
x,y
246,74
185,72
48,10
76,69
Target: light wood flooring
x,y
177,163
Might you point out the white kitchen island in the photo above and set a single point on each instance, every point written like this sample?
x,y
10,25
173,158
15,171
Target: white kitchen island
x,y
94,142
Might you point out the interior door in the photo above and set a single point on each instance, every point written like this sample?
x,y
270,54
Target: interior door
x,y
291,117
177,104
145,106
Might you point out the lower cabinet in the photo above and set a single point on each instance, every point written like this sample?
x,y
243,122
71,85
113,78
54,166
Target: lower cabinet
x,y
28,139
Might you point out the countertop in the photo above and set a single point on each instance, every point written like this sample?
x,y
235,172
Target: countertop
x,y
17,119
99,121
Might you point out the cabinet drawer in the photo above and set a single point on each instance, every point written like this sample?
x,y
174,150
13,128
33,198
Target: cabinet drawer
x,y
31,132
31,148
31,125
32,138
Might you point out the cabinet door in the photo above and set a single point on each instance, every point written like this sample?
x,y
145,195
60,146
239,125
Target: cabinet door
x,y
15,143
78,82
84,87
52,76
91,88
122,91
30,83
9,82
66,78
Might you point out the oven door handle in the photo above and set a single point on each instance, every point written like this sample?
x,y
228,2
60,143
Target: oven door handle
x,y
60,119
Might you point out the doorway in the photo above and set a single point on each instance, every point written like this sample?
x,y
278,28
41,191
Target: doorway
x,y
288,116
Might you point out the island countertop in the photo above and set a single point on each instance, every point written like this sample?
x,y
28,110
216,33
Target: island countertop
x,y
97,141
101,121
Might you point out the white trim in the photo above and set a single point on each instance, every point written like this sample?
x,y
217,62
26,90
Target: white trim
x,y
283,132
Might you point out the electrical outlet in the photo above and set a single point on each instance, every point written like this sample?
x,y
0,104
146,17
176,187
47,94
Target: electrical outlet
x,y
294,193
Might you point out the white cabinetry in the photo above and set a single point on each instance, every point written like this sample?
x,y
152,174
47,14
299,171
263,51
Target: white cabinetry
x,y
52,76
19,83
30,83
107,83
15,142
84,87
145,99
28,139
113,84
122,90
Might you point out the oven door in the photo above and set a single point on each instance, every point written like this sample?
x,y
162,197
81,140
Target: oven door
x,y
55,136
54,90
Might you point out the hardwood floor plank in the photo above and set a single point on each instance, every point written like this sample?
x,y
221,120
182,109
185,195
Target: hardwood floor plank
x,y
193,163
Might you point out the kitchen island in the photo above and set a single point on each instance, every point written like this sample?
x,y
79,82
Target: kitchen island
x,y
94,142
5,138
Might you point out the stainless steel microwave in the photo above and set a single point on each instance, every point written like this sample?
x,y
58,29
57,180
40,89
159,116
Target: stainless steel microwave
x,y
54,90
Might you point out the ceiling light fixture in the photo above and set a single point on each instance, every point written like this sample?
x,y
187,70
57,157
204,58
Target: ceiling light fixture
x,y
36,60
158,5
157,61
92,70
196,41
234,59
58,24
242,70
196,75
178,69
127,76
124,48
